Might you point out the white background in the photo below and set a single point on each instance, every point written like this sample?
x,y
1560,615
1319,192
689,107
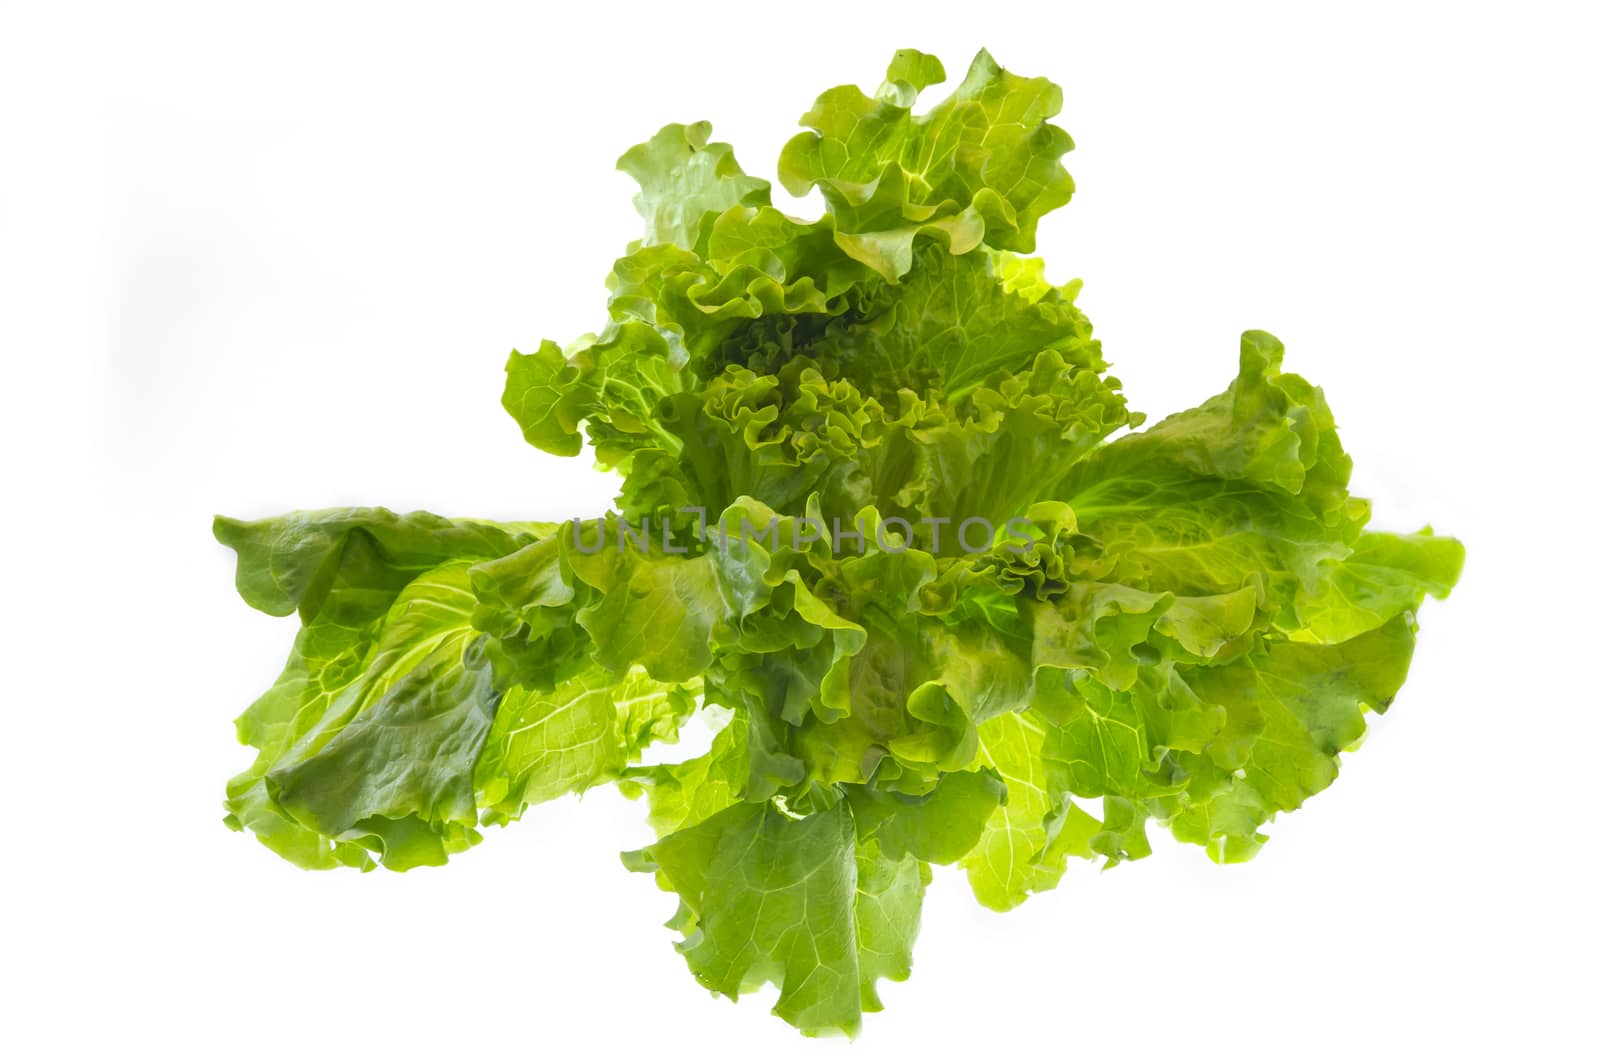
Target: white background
x,y
253,260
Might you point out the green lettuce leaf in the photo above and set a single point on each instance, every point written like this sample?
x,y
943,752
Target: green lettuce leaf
x,y
392,730
1303,704
978,168
683,180
352,574
802,902
543,745
887,522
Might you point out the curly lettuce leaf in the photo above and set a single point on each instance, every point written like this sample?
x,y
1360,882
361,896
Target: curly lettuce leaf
x,y
980,167
950,392
683,180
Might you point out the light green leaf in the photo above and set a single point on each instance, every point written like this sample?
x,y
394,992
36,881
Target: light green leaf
x,y
771,897
979,167
682,178
1385,575
656,611
587,731
388,764
1305,704
1006,864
